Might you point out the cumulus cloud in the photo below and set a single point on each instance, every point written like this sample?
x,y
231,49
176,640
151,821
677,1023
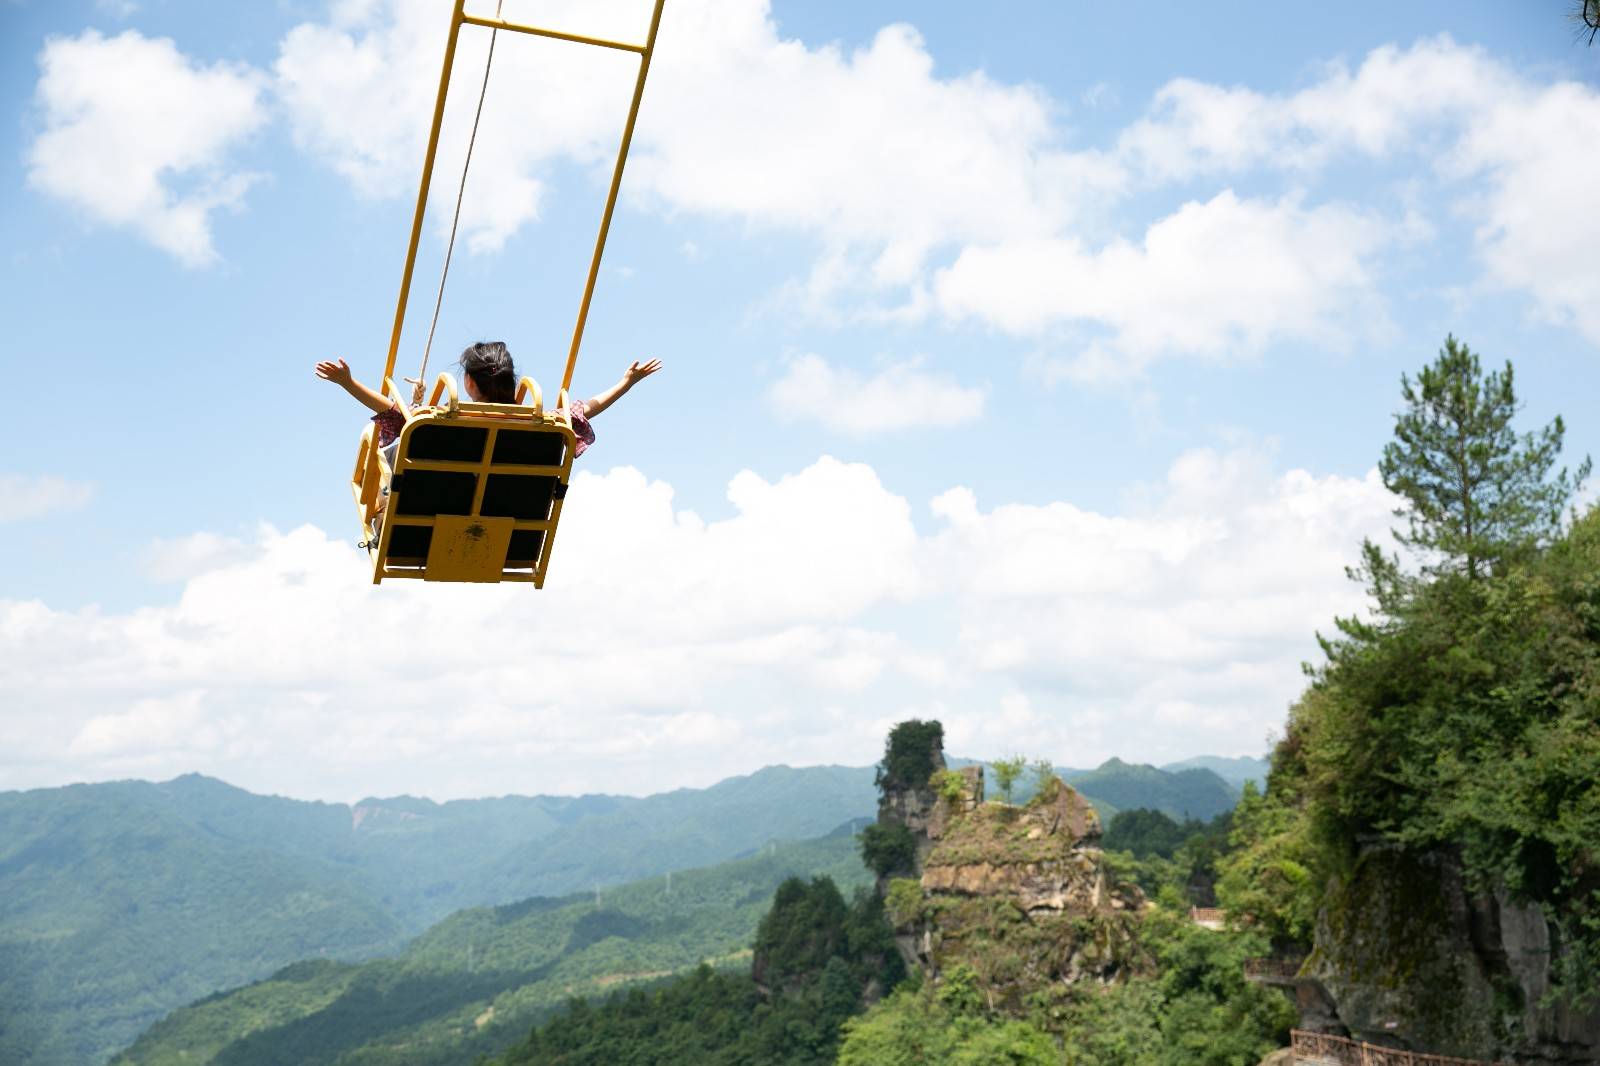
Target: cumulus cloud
x,y
138,135
1217,279
359,89
964,196
900,396
1508,154
180,558
1535,224
23,497
668,649
867,149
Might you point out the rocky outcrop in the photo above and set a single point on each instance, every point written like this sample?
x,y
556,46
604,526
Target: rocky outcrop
x,y
923,812
1019,894
1409,956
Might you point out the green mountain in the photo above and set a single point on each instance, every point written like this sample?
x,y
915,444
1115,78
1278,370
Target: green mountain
x,y
1234,771
1198,793
122,901
1119,786
477,981
689,827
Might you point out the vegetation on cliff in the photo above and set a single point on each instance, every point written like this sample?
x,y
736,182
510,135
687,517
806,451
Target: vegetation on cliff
x,y
1463,716
816,959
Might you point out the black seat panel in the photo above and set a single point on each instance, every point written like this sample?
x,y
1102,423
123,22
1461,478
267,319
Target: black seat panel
x,y
441,441
522,496
432,492
528,447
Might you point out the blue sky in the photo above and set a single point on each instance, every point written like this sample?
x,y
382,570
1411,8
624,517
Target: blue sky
x,y
1024,366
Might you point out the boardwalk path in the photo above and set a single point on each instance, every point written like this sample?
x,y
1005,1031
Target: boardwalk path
x,y
1316,1049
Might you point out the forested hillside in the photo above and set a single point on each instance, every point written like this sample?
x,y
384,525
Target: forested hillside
x,y
122,901
1190,793
476,981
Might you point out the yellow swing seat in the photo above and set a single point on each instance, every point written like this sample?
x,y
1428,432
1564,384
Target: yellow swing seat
x,y
474,492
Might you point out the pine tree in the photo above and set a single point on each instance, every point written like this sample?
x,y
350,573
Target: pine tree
x,y
1475,492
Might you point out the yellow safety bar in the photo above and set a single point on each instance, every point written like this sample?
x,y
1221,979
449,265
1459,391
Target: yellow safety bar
x,y
457,19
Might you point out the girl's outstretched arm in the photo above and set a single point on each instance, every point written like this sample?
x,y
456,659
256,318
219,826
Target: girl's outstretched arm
x,y
339,373
635,373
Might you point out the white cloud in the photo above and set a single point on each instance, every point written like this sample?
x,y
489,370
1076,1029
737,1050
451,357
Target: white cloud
x,y
137,135
359,90
1216,279
23,497
670,650
962,195
1536,226
900,396
184,557
1195,129
868,150
1510,156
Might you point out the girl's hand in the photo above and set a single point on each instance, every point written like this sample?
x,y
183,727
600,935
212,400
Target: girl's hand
x,y
336,372
637,371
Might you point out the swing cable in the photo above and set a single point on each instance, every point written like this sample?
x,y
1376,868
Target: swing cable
x,y
418,382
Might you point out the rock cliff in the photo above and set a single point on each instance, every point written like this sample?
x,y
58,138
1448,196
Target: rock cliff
x,y
1019,894
1409,956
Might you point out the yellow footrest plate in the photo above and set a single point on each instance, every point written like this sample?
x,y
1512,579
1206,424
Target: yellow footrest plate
x,y
468,548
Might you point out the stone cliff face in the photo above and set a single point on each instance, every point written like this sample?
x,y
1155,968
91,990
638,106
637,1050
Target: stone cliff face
x,y
1407,955
1019,894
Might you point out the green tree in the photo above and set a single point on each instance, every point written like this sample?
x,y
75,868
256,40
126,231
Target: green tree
x,y
903,901
1475,492
947,1026
911,754
1044,771
950,786
1586,13
888,849
1006,773
1145,833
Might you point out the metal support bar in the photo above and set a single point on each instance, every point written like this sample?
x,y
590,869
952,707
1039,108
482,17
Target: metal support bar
x,y
514,27
456,18
611,196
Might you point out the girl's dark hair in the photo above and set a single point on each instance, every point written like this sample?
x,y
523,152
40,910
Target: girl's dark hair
x,y
488,364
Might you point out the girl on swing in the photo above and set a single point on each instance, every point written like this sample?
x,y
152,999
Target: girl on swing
x,y
489,377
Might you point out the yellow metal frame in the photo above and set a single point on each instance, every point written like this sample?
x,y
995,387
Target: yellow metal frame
x,y
465,541
372,474
458,18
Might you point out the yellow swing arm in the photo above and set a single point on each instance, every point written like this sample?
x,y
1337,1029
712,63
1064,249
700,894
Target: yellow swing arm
x,y
457,19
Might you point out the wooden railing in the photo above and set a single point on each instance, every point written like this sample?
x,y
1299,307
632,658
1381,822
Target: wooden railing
x,y
1272,969
1318,1049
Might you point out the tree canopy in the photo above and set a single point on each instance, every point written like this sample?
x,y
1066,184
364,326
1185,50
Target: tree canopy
x,y
1475,492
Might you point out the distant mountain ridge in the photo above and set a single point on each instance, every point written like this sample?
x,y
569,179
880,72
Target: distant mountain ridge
x,y
1114,785
123,900
1198,794
1235,771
